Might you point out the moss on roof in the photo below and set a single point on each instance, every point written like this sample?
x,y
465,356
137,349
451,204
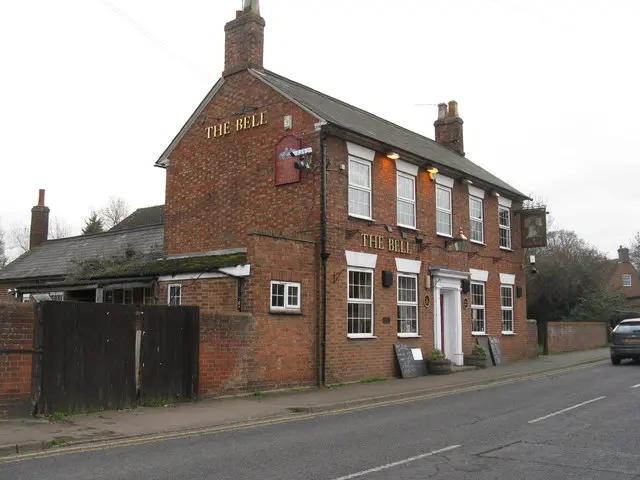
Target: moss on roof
x,y
149,267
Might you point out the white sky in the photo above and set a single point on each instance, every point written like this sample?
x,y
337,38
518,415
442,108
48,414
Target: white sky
x,y
92,91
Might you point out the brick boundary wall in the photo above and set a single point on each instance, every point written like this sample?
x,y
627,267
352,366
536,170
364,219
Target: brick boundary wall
x,y
573,336
16,333
532,338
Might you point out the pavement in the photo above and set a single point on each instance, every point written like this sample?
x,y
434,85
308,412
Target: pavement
x,y
36,434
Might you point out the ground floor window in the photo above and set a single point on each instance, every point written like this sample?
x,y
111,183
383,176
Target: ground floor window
x,y
285,296
175,294
360,302
506,302
478,324
407,304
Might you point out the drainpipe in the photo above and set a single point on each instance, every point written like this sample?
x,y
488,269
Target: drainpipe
x,y
324,254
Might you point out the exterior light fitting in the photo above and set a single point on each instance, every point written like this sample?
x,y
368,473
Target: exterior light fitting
x,y
432,171
459,243
393,155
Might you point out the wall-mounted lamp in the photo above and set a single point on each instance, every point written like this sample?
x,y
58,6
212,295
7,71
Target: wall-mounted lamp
x,y
393,155
432,171
466,181
459,243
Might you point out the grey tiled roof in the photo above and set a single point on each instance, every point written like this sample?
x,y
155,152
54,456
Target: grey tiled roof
x,y
55,258
364,123
141,217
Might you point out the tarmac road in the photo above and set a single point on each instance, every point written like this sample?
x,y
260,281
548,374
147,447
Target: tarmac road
x,y
581,424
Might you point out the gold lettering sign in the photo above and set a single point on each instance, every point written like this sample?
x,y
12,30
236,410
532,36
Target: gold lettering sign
x,y
244,123
379,243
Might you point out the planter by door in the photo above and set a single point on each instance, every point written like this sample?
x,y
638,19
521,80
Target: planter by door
x,y
439,367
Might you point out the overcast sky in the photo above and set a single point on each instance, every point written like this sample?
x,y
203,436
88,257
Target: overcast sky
x,y
92,91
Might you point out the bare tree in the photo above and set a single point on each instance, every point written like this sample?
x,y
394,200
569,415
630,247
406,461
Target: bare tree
x,y
59,229
3,256
114,212
634,250
19,237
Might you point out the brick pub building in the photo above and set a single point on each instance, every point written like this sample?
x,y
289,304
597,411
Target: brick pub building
x,y
351,247
350,234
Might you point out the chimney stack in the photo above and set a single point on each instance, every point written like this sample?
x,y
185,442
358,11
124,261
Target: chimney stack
x,y
244,39
623,255
449,127
39,222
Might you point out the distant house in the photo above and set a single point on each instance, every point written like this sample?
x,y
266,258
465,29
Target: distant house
x,y
122,265
626,279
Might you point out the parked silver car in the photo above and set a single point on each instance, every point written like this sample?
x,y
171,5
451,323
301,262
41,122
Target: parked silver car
x,y
625,341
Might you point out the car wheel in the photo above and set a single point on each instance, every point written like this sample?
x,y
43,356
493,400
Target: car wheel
x,y
615,360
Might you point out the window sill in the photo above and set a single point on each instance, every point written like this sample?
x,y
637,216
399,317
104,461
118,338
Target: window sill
x,y
357,217
508,334
478,334
360,337
506,249
406,227
444,235
409,335
275,311
478,243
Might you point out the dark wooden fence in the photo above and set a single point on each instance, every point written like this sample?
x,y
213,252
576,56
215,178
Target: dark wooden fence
x,y
88,357
88,360
169,353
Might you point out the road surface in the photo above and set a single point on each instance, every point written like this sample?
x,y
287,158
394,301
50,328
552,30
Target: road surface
x,y
584,424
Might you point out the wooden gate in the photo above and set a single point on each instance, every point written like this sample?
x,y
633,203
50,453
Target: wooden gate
x,y
169,353
88,357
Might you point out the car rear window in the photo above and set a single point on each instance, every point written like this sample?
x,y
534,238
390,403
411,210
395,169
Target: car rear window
x,y
628,328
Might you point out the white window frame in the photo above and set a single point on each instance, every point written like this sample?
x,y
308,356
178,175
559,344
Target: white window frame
x,y
480,219
445,211
287,305
505,228
179,287
405,200
504,309
408,304
361,301
479,307
627,280
369,190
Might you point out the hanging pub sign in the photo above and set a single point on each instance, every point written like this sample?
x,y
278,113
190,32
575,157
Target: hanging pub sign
x,y
533,227
286,171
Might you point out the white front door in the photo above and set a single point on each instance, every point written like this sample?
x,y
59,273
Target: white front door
x,y
448,315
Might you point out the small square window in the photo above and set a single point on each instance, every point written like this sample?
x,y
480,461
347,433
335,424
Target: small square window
x,y
285,296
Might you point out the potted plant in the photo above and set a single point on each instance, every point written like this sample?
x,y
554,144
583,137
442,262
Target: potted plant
x,y
437,363
478,357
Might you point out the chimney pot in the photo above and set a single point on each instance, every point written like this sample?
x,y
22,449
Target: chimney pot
x,y
453,109
238,13
442,111
41,197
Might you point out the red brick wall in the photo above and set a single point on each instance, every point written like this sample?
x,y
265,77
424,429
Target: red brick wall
x,y
572,336
532,338
16,332
218,294
360,358
220,189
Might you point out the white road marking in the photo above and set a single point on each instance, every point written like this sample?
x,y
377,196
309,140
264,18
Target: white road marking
x,y
566,409
635,386
400,462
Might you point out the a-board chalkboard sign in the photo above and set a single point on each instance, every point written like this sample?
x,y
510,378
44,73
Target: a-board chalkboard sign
x,y
484,343
496,350
411,364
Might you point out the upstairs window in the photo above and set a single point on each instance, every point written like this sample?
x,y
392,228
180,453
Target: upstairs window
x,y
406,203
504,219
444,223
476,218
359,188
626,280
